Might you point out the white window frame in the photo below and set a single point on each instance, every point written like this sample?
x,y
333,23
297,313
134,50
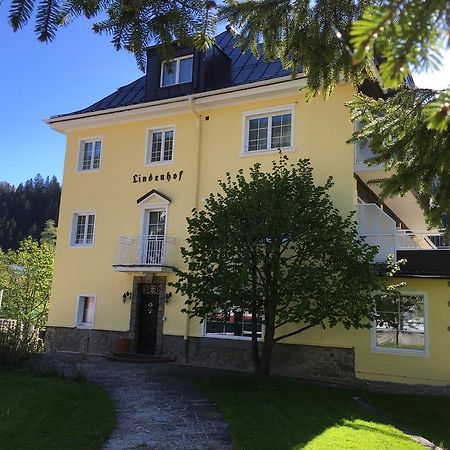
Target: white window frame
x,y
146,208
405,351
266,112
79,311
153,207
81,143
148,146
73,232
228,336
176,61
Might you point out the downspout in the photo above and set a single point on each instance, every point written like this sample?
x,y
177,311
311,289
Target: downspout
x,y
194,205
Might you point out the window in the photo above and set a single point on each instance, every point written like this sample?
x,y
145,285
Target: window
x,y
400,323
234,324
86,311
177,71
268,131
83,229
160,146
156,223
90,153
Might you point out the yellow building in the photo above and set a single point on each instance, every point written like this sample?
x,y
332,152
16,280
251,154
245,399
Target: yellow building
x,y
140,159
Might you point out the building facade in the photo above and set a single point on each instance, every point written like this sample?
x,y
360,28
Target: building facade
x,y
139,160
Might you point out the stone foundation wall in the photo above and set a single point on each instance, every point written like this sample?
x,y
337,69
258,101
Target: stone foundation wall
x,y
300,361
99,342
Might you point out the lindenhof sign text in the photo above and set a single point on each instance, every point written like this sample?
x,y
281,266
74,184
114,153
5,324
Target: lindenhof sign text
x,y
168,176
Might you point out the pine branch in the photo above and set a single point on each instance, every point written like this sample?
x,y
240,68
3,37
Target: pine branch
x,y
20,12
47,20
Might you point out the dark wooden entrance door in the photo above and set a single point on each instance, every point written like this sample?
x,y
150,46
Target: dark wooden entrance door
x,y
148,317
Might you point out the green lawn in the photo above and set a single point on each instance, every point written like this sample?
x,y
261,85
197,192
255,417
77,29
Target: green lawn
x,y
49,412
278,414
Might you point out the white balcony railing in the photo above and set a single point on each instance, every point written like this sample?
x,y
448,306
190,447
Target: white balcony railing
x,y
377,228
363,154
144,252
421,240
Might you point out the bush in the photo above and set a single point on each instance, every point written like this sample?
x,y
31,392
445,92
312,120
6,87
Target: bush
x,y
16,346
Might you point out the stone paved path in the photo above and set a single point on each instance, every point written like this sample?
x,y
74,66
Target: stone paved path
x,y
157,406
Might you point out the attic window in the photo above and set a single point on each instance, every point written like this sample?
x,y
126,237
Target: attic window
x,y
177,71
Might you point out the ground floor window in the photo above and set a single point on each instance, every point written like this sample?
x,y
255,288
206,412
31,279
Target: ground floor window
x,y
400,323
86,311
232,324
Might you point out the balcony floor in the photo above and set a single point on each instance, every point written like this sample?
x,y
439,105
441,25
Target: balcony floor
x,y
141,268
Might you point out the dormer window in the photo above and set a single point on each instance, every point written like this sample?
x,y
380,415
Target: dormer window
x,y
177,71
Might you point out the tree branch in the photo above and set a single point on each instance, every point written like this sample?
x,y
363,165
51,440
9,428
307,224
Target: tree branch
x,y
281,324
284,336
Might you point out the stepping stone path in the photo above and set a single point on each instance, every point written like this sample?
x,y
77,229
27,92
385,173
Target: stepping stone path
x,y
158,407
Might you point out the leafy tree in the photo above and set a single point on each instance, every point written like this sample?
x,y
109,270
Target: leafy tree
x,y
26,278
276,247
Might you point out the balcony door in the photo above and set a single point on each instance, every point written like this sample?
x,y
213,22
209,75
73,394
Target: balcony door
x,y
153,240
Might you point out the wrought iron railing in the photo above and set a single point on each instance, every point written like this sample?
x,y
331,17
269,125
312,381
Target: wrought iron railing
x,y
144,251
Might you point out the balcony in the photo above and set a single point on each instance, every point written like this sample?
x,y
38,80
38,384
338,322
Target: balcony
x,y
427,252
144,254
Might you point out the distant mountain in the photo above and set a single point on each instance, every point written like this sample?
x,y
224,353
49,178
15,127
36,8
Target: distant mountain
x,y
25,209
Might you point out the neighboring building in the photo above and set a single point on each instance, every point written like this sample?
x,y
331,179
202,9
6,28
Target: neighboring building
x,y
140,159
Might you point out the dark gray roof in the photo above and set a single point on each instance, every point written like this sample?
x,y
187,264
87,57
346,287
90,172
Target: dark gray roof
x,y
245,68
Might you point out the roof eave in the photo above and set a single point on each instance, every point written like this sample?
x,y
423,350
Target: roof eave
x,y
205,100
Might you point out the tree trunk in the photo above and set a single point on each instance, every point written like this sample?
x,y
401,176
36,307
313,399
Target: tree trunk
x,y
270,294
269,335
266,359
255,347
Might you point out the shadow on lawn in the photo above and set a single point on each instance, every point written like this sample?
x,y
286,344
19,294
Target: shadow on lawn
x,y
372,427
282,414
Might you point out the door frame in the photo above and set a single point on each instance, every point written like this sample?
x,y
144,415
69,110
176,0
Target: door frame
x,y
135,305
147,208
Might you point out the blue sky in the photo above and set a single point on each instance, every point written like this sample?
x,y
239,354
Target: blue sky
x,y
39,80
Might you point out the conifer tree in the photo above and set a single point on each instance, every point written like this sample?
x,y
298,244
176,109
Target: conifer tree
x,y
133,26
24,210
330,41
383,42
48,235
